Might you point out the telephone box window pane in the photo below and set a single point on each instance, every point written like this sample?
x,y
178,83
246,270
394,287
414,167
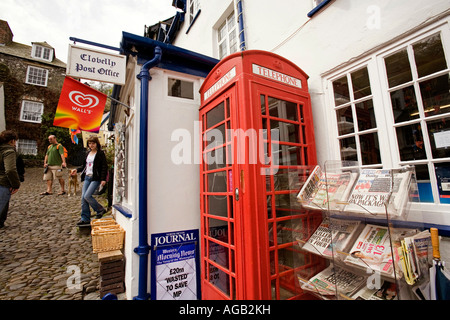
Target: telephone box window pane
x,y
436,95
283,109
263,104
215,115
345,121
439,134
215,137
365,115
341,93
286,155
370,149
361,84
288,131
410,142
215,159
219,279
404,104
218,230
398,68
218,254
180,88
429,56
348,149
443,181
218,205
217,182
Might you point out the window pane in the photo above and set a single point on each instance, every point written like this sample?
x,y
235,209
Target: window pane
x,y
370,149
215,115
217,182
286,155
398,68
288,131
218,205
439,134
404,104
429,56
222,31
348,149
365,115
282,109
443,181
361,84
436,95
410,142
180,88
341,93
345,121
423,183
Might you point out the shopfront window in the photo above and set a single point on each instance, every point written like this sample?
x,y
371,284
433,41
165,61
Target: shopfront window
x,y
354,110
397,104
419,86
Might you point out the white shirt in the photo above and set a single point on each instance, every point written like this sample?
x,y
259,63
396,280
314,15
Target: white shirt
x,y
90,164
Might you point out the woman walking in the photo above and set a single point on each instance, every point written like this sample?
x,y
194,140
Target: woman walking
x,y
94,172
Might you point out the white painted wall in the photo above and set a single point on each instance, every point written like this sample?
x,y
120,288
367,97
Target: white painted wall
x,y
173,189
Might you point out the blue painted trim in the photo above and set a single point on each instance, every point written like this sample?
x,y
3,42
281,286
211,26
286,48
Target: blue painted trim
x,y
143,249
124,211
316,9
94,44
179,17
242,45
195,18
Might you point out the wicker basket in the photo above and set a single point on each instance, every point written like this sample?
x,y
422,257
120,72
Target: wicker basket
x,y
102,222
107,238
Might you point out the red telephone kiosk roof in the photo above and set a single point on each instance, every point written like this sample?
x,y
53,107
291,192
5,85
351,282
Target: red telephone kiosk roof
x,y
261,64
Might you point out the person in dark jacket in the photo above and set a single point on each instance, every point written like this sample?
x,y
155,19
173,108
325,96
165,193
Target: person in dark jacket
x,y
20,165
9,177
94,170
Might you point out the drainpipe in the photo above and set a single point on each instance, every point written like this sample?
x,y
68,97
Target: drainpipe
x,y
143,249
242,46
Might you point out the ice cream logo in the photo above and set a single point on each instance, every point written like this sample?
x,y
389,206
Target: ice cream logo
x,y
83,100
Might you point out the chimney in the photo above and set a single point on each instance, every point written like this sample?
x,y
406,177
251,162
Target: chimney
x,y
6,34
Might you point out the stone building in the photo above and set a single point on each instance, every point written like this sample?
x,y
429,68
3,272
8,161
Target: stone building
x,y
31,78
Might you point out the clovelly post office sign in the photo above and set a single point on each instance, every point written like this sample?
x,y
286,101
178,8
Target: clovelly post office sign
x,y
94,65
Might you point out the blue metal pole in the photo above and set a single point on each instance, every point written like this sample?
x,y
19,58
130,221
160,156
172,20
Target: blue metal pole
x,y
143,249
242,46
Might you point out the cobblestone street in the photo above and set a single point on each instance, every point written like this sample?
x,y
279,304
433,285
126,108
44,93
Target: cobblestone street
x,y
40,245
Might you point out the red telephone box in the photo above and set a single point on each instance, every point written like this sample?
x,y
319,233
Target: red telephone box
x,y
257,144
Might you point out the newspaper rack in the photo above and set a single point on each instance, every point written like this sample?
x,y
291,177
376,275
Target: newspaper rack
x,y
366,233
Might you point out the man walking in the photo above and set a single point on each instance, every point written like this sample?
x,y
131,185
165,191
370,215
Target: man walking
x,y
54,161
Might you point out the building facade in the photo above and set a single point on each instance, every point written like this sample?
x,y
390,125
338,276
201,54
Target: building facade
x,y
31,79
378,76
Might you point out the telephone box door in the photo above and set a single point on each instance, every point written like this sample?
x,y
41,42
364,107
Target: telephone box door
x,y
218,203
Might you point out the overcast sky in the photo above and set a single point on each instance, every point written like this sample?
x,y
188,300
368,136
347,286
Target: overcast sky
x,y
102,21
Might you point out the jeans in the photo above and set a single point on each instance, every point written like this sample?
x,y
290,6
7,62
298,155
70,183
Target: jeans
x,y
87,199
5,195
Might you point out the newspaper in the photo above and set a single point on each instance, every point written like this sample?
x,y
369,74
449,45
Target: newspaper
x,y
378,190
387,291
331,234
325,190
372,250
334,280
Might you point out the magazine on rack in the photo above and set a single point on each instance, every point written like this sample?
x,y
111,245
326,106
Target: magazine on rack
x,y
337,233
325,282
326,190
376,187
387,291
415,256
372,250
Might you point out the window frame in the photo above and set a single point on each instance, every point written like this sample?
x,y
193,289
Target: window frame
x,y
390,155
22,111
38,52
26,142
225,21
27,79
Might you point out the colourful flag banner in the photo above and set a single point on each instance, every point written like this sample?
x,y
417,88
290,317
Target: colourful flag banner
x,y
80,107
